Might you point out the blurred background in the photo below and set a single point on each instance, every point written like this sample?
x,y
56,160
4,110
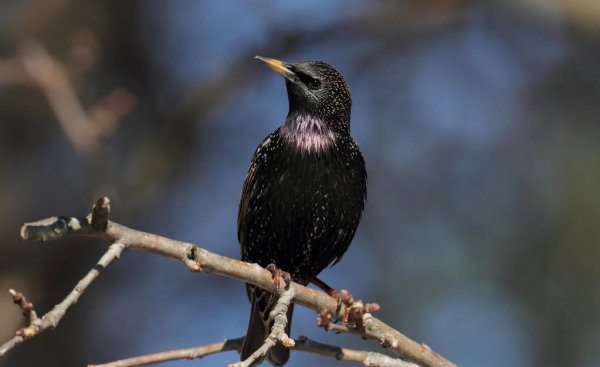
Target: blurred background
x,y
478,121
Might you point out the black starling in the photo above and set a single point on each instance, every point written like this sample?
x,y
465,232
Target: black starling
x,y
304,193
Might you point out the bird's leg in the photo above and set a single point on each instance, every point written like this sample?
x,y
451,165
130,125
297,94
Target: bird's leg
x,y
327,289
277,275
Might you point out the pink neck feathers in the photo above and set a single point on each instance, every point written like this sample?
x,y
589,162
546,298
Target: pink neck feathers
x,y
308,133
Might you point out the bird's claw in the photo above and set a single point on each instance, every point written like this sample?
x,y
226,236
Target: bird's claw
x,y
277,275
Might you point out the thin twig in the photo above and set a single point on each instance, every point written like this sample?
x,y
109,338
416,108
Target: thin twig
x,y
51,319
171,355
197,259
369,359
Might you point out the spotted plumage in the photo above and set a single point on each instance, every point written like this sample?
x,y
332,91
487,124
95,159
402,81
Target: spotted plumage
x,y
304,193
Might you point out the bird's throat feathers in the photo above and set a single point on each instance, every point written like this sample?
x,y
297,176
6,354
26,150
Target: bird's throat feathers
x,y
307,133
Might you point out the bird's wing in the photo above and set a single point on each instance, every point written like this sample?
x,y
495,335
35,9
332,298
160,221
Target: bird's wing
x,y
249,183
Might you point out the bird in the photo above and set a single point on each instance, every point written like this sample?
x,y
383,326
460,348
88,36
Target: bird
x,y
304,192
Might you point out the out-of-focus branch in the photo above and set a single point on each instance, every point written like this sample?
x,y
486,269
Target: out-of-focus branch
x,y
35,67
51,78
197,259
13,72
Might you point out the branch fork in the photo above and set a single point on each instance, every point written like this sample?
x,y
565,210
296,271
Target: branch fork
x,y
278,334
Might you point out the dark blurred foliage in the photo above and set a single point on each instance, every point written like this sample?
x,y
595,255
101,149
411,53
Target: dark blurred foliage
x,y
478,121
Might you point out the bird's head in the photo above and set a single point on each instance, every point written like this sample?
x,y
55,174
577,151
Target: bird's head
x,y
315,89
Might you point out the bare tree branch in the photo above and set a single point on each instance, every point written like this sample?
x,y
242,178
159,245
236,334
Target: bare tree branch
x,y
302,344
197,259
171,355
369,359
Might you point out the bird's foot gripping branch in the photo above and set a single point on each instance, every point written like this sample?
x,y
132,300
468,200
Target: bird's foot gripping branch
x,y
195,258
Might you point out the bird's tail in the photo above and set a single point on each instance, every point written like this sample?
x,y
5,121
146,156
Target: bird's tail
x,y
260,326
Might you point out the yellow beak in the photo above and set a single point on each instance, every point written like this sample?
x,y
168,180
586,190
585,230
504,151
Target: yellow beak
x,y
279,67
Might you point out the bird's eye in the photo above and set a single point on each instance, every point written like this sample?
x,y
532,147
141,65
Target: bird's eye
x,y
314,84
